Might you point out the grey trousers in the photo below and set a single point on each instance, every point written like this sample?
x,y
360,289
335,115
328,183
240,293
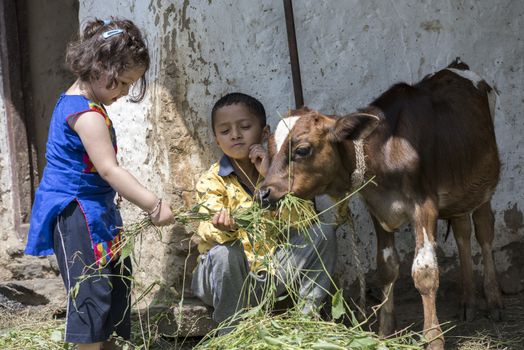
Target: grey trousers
x,y
223,279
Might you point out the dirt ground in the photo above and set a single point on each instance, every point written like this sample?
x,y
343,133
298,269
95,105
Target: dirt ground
x,y
481,333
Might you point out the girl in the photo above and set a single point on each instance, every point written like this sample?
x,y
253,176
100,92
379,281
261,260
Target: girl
x,y
74,214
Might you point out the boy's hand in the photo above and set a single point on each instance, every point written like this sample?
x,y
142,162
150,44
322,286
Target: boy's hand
x,y
260,158
223,221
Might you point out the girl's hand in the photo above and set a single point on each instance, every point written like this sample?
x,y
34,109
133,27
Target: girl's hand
x,y
260,158
163,215
223,221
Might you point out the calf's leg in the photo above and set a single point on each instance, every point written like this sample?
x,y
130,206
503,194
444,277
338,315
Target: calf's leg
x,y
387,266
484,231
462,231
425,270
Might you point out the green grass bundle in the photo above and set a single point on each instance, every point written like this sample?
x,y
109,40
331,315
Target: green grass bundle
x,y
259,223
294,330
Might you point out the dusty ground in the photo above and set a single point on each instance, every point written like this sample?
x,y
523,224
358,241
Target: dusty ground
x,y
482,333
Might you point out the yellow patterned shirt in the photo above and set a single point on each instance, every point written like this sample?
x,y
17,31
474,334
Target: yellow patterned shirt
x,y
220,188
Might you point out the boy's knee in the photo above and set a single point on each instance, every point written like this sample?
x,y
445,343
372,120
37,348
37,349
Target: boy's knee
x,y
227,254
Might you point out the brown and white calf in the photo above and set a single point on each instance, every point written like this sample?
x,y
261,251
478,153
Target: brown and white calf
x,y
431,147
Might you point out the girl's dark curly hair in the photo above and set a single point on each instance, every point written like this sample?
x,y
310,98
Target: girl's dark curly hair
x,y
92,54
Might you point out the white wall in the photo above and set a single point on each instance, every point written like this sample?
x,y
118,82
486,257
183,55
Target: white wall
x,y
350,52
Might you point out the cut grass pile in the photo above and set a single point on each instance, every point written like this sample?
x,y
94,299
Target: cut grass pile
x,y
294,330
31,328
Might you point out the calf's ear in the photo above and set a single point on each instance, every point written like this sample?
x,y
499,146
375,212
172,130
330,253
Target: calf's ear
x,y
356,126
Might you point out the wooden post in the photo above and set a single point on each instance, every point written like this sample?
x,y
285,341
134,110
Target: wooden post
x,y
293,53
21,150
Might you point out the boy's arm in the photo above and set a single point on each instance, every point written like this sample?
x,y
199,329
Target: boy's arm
x,y
212,196
224,221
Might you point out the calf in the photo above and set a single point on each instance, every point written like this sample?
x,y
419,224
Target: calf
x,y
431,147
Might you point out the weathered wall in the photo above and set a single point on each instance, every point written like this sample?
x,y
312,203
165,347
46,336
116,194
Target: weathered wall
x,y
350,51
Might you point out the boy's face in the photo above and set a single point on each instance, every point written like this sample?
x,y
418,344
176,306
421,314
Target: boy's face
x,y
236,129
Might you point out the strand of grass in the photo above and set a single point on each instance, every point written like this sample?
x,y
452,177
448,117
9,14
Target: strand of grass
x,y
145,335
142,332
145,325
181,302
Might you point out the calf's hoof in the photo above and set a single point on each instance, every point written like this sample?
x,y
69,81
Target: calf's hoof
x,y
437,344
494,300
387,325
495,306
496,314
435,338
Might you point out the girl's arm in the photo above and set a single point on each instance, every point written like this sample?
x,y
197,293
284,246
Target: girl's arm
x,y
93,132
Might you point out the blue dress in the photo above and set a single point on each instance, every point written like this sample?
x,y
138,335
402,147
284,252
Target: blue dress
x,y
68,176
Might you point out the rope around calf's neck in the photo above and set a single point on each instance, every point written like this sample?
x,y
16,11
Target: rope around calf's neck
x,y
357,179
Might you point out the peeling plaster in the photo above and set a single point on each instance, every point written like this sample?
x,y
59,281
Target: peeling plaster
x,y
432,26
514,219
350,52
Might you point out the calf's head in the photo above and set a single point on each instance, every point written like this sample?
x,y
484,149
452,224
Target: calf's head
x,y
311,153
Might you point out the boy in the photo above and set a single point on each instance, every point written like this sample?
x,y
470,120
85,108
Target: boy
x,y
228,262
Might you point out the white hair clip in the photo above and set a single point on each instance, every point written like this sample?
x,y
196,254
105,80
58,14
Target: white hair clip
x,y
112,32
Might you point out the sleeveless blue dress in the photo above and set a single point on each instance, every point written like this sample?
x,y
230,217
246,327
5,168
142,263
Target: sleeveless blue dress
x,y
68,176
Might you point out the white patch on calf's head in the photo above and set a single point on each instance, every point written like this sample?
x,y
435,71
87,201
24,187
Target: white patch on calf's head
x,y
282,131
426,257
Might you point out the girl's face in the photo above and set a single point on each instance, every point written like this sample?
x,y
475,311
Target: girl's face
x,y
124,81
236,129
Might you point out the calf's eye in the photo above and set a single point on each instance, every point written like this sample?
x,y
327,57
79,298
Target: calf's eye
x,y
303,152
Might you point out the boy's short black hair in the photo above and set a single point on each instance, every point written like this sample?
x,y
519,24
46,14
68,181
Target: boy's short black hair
x,y
251,103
